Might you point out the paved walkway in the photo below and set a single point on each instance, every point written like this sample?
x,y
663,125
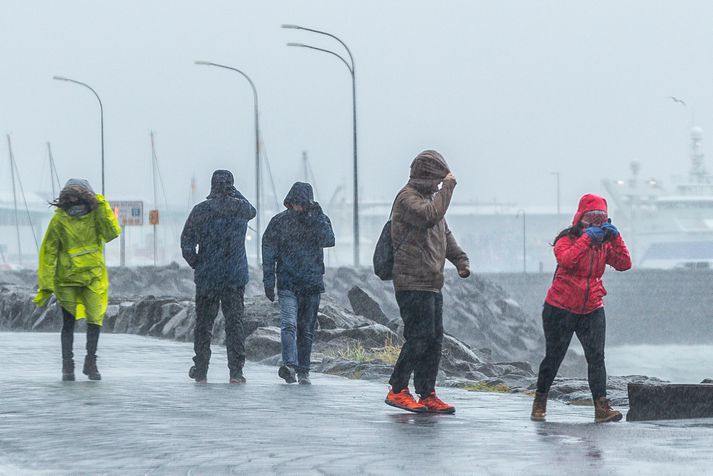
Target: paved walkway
x,y
146,416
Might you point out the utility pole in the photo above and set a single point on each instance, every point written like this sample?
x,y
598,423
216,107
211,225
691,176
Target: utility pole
x,y
154,166
305,165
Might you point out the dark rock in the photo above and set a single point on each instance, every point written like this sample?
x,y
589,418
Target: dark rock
x,y
331,316
371,336
364,305
669,401
263,343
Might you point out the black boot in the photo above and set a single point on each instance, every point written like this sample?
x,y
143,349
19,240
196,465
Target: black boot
x,y
68,370
90,368
67,337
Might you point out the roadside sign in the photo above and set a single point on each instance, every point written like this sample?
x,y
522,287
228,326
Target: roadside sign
x,y
128,212
153,217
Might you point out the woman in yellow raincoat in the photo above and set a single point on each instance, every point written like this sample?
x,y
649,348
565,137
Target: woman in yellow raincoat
x,y
72,267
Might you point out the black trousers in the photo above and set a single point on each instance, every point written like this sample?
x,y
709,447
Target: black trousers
x,y
559,326
422,313
230,300
68,322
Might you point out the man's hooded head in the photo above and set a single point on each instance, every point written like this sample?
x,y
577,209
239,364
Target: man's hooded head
x,y
300,194
428,169
221,184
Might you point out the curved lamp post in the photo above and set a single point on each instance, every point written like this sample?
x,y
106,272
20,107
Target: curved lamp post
x,y
101,111
350,66
257,150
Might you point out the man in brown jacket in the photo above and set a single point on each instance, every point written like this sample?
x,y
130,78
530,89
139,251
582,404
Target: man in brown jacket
x,y
422,242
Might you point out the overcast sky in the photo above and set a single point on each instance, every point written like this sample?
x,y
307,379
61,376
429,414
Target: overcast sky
x,y
508,91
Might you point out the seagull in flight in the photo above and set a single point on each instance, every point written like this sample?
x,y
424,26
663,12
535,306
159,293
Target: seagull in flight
x,y
680,101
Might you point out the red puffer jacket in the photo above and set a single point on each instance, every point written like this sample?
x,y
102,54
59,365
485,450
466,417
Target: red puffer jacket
x,y
577,286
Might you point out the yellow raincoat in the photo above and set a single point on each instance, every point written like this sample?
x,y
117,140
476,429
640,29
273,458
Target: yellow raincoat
x,y
72,263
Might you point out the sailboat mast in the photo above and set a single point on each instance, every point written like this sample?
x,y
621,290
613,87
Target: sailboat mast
x,y
14,198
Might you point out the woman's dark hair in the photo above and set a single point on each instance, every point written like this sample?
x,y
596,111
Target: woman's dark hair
x,y
572,231
74,195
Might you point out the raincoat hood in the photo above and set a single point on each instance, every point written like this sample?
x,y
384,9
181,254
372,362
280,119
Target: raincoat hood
x,y
221,183
300,194
428,169
78,182
588,203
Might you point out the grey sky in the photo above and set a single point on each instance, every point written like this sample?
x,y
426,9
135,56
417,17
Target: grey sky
x,y
508,91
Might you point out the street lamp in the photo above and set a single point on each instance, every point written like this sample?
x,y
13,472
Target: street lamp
x,y
352,70
257,150
101,111
524,239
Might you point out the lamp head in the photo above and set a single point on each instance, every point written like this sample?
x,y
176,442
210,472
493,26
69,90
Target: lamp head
x,y
289,26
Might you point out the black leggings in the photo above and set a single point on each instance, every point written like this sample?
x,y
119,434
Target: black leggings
x,y
559,326
68,322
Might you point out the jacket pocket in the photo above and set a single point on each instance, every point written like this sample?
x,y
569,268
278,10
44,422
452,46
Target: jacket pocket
x,y
84,259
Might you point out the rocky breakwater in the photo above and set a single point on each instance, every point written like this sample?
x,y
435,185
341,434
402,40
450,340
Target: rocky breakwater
x,y
346,343
489,346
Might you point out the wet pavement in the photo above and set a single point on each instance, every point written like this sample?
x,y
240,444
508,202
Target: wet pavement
x,y
147,417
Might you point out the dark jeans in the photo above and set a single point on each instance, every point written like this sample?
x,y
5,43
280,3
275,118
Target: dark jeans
x,y
230,300
93,331
422,313
298,317
559,327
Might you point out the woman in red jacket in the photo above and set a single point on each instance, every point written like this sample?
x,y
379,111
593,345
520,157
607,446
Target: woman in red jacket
x,y
574,303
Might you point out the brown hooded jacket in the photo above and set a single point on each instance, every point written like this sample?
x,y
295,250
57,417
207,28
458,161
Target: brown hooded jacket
x,y
421,238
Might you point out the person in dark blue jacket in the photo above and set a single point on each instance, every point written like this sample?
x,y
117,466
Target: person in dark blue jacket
x,y
213,244
292,249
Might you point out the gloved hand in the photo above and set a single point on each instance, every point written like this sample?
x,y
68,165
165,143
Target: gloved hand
x,y
314,209
610,231
595,233
270,294
464,271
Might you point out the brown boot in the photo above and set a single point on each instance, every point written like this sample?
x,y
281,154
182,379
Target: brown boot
x,y
539,407
603,412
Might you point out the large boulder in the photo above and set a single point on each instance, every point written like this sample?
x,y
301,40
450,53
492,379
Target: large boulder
x,y
371,336
333,316
263,343
364,305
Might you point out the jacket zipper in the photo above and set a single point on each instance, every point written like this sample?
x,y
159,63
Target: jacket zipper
x,y
591,268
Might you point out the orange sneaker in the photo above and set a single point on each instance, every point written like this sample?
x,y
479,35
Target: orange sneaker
x,y
436,405
405,401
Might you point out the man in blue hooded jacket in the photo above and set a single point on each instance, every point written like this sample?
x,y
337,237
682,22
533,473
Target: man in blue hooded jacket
x,y
293,258
213,244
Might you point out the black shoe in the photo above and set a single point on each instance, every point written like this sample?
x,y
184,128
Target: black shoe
x,y
199,377
237,377
68,370
90,368
287,373
303,378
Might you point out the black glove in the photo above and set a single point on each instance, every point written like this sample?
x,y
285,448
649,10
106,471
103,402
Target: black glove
x,y
270,294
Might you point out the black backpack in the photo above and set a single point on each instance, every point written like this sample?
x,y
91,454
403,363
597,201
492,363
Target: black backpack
x,y
384,254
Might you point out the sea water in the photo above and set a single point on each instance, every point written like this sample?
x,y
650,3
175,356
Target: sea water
x,y
675,363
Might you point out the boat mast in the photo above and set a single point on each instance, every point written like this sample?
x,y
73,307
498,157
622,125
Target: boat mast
x,y
14,198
